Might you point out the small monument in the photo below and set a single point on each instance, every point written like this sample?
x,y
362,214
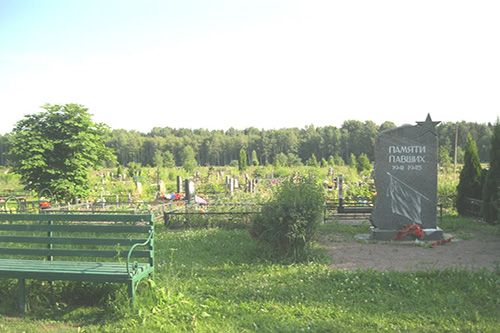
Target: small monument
x,y
190,190
179,184
406,164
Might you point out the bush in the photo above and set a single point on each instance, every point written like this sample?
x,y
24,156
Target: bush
x,y
470,177
289,221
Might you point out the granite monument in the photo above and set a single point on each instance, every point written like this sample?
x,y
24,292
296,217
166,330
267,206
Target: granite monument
x,y
406,165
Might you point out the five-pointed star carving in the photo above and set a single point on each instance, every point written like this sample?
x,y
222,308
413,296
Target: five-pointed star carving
x,y
428,125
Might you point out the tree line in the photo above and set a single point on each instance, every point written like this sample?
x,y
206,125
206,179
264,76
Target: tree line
x,y
287,146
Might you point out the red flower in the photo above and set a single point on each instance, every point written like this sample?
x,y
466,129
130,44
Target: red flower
x,y
410,229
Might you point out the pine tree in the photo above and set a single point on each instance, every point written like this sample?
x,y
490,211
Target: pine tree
x,y
470,177
312,161
255,160
492,183
242,162
352,161
363,163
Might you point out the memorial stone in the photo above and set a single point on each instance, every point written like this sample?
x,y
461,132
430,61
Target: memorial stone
x,y
179,184
138,186
190,190
406,161
161,186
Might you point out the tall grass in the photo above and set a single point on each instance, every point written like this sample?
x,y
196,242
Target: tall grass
x,y
214,280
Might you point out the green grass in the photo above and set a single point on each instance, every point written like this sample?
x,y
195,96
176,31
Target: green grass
x,y
216,280
466,228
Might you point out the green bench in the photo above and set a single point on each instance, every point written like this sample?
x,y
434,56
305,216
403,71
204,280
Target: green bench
x,y
96,248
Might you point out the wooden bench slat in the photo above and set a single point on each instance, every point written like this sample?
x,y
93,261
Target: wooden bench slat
x,y
70,240
73,252
77,228
72,271
77,217
64,266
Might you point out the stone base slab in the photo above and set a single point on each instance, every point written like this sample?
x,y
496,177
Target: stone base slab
x,y
432,234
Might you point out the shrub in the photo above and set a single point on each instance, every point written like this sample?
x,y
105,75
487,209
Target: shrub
x,y
492,183
470,177
363,163
289,221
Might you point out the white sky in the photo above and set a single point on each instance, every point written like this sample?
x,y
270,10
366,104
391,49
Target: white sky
x,y
239,63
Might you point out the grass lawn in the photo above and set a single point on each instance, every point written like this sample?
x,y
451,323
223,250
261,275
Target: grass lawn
x,y
216,280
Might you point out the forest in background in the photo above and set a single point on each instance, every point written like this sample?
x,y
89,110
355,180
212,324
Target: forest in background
x,y
287,146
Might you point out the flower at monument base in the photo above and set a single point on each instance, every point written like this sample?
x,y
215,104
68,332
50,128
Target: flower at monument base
x,y
443,241
418,233
412,230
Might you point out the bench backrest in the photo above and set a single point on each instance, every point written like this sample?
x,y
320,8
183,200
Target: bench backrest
x,y
51,236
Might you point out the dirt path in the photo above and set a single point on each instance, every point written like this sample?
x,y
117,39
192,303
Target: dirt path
x,y
401,256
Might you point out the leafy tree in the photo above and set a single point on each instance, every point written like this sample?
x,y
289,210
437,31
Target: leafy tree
x,y
492,182
168,160
444,156
470,176
386,126
158,159
280,160
293,160
188,159
55,149
242,162
3,150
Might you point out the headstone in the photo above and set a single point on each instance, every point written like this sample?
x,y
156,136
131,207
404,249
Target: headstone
x,y
161,186
341,187
230,185
189,186
406,161
250,185
179,184
139,187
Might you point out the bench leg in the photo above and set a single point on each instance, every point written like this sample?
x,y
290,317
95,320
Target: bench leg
x,y
22,294
131,291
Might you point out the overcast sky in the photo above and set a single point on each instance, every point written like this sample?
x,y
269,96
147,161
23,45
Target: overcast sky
x,y
240,63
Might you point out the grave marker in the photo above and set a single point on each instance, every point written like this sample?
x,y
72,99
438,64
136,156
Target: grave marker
x,y
179,184
406,161
190,191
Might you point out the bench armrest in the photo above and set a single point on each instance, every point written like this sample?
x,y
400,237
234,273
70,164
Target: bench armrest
x,y
132,268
